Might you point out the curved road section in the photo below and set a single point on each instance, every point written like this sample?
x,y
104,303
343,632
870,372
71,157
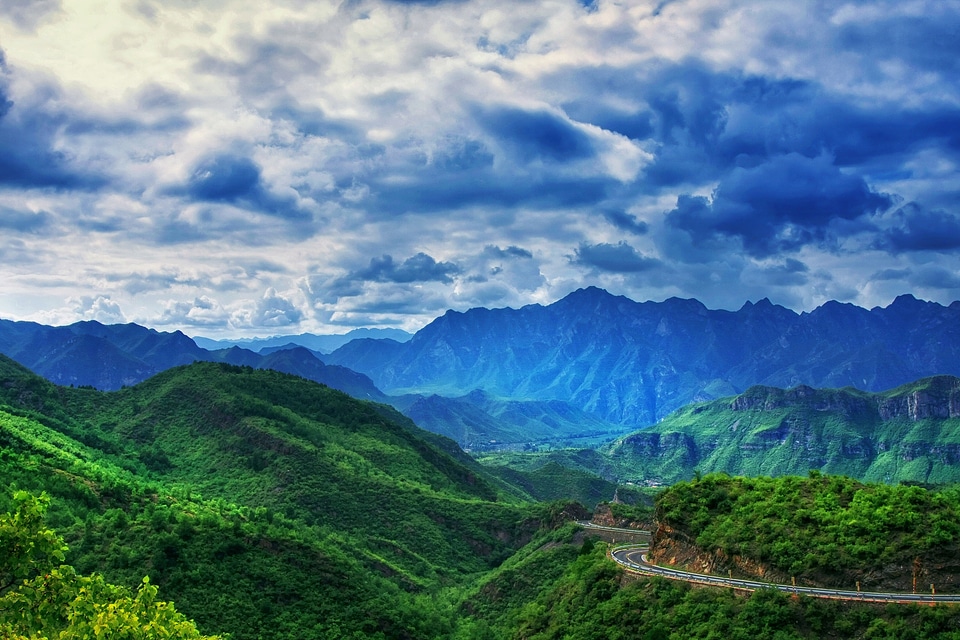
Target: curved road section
x,y
633,558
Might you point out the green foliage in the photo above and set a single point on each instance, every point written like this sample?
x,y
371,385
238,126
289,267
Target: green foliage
x,y
586,597
266,505
270,507
27,547
553,481
770,431
824,527
42,598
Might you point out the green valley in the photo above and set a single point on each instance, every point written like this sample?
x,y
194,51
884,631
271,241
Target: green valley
x,y
264,505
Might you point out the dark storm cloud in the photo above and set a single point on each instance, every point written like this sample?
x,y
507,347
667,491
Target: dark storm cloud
x,y
936,278
28,154
418,268
441,191
463,155
922,230
928,41
224,178
491,251
778,206
535,135
890,274
705,123
790,273
461,173
626,222
230,178
613,258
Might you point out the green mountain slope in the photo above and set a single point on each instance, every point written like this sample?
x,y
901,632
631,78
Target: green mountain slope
x,y
265,505
822,530
910,433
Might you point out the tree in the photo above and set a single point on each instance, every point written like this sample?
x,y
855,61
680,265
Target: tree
x,y
41,598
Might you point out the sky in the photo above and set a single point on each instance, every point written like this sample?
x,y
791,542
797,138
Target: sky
x,y
235,168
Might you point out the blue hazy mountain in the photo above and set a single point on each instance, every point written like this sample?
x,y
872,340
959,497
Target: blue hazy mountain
x,y
632,363
319,343
590,363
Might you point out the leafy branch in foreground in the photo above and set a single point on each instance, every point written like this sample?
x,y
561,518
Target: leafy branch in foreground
x,y
42,598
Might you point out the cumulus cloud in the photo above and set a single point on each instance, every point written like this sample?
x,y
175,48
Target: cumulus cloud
x,y
417,268
202,311
100,308
381,161
921,230
274,310
781,205
614,258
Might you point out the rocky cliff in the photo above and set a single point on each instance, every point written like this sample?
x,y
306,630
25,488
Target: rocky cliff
x,y
910,433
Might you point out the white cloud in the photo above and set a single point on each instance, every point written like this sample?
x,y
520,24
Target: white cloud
x,y
366,130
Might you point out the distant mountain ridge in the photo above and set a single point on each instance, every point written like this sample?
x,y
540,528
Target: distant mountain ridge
x,y
319,343
590,363
110,357
907,434
633,363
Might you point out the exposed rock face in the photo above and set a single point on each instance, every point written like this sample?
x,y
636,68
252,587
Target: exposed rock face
x,y
941,399
603,516
905,434
673,548
770,398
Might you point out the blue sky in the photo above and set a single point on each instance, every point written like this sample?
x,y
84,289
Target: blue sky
x,y
235,167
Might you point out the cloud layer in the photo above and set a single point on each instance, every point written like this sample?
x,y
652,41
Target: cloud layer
x,y
240,167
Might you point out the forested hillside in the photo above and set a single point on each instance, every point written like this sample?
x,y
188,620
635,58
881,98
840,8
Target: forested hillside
x,y
907,434
265,505
822,530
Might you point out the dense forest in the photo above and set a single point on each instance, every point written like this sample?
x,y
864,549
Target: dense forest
x,y
216,499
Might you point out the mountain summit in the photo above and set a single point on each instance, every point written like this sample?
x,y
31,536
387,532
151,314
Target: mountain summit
x,y
632,363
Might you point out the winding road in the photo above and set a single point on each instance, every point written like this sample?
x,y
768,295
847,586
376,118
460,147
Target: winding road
x,y
633,558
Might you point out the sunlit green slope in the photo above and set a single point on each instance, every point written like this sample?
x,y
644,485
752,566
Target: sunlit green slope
x,y
265,505
910,433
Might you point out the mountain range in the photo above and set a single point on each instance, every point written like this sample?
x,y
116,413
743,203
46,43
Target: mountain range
x,y
632,363
591,365
314,342
267,506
